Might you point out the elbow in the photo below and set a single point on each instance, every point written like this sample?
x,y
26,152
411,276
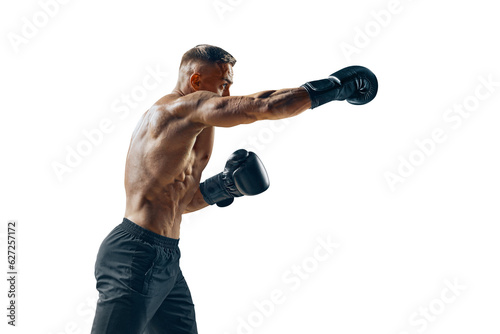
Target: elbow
x,y
267,109
273,109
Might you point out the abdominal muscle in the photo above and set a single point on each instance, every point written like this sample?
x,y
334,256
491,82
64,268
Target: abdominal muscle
x,y
160,216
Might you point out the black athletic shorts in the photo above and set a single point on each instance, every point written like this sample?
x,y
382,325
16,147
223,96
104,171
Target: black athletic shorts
x,y
141,287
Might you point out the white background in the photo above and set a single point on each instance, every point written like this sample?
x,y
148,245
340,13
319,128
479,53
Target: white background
x,y
328,167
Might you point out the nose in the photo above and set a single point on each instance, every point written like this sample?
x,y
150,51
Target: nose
x,y
226,92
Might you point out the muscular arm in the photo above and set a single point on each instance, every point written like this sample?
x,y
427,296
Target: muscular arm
x,y
211,109
197,203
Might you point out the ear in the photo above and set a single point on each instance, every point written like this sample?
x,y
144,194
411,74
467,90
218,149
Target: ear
x,y
195,81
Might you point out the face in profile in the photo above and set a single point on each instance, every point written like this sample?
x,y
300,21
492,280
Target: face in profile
x,y
216,78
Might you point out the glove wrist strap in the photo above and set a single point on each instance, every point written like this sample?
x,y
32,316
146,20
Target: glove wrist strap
x,y
214,192
322,91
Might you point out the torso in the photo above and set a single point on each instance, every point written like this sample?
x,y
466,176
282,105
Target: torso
x,y
166,157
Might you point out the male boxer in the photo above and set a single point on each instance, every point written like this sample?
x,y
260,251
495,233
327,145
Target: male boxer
x,y
141,287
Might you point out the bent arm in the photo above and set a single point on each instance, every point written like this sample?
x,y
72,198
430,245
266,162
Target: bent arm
x,y
211,109
197,203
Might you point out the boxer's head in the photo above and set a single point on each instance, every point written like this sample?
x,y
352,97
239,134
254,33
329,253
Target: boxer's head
x,y
206,67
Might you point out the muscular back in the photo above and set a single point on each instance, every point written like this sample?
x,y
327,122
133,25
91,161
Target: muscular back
x,y
166,157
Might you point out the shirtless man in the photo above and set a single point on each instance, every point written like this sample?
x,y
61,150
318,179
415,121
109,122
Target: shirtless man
x,y
141,287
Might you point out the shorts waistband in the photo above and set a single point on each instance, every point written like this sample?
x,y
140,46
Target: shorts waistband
x,y
147,235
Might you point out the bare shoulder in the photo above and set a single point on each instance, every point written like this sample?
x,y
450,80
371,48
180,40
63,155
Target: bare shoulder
x,y
188,105
184,105
172,114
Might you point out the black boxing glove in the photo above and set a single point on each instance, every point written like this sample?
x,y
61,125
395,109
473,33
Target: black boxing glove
x,y
356,84
244,174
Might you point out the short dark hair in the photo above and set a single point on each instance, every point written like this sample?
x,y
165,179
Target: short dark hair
x,y
208,53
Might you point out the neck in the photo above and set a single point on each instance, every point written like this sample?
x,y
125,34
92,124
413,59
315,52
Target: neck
x,y
182,89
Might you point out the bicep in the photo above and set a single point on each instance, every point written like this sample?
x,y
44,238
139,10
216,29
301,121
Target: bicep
x,y
213,110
